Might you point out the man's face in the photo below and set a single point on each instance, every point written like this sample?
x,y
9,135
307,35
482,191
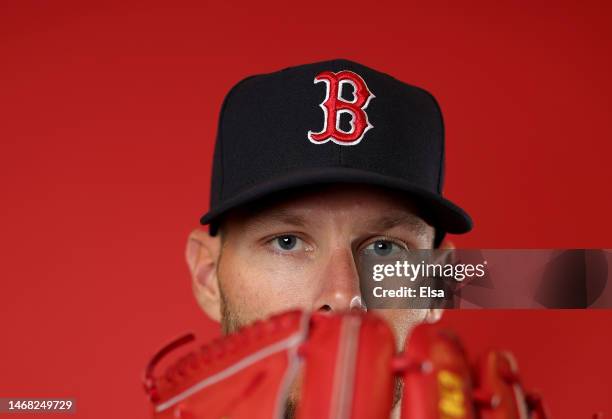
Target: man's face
x,y
304,252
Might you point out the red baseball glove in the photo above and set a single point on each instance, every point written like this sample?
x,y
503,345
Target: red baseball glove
x,y
335,366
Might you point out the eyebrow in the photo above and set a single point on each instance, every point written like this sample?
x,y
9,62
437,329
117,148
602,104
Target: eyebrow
x,y
387,222
280,215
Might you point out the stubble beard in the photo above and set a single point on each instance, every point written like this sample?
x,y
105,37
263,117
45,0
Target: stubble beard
x,y
230,322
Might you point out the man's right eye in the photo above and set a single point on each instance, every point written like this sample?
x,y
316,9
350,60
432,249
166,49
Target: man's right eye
x,y
286,242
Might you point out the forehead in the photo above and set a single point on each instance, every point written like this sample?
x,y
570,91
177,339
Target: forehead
x,y
347,203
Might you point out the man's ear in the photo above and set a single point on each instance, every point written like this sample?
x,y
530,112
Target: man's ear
x,y
202,254
445,253
434,314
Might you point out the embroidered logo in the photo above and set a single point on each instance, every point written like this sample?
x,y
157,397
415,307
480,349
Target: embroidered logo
x,y
334,106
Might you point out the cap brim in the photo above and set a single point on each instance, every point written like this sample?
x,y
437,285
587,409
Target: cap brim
x,y
437,211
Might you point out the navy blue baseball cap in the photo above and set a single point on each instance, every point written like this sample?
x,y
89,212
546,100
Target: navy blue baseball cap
x,y
331,122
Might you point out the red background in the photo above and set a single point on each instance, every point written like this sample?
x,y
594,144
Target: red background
x,y
107,123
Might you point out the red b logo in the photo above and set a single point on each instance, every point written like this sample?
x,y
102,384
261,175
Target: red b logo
x,y
334,105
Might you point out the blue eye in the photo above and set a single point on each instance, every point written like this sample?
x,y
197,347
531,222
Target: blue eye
x,y
384,247
286,242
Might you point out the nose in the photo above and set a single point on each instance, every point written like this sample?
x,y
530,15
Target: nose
x,y
338,281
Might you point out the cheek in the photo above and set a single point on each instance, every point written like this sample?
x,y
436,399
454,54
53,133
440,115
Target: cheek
x,y
258,285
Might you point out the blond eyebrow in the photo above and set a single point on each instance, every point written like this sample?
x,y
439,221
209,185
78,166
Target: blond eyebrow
x,y
279,215
387,222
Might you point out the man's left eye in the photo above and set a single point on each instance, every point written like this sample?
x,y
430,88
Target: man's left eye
x,y
384,248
